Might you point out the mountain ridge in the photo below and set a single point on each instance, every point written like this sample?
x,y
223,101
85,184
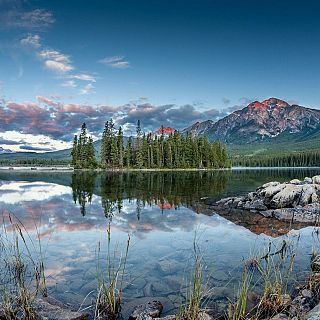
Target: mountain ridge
x,y
267,126
260,122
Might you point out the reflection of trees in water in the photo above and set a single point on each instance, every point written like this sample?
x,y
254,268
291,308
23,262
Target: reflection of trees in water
x,y
82,188
169,190
260,176
166,190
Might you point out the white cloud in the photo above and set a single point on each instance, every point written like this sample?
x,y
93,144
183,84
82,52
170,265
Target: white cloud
x,y
117,62
56,61
88,89
31,41
57,66
35,19
34,141
69,84
84,77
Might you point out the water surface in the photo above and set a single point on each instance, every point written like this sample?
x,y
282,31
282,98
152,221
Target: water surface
x,y
163,212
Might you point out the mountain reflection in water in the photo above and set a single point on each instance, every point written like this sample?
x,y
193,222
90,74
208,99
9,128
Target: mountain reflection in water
x,y
162,210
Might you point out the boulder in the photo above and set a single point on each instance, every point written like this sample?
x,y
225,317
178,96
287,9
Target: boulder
x,y
150,309
295,181
257,205
313,314
316,179
270,184
307,191
288,197
271,190
307,180
204,316
48,308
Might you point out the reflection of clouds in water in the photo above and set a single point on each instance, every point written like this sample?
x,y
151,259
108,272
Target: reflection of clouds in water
x,y
52,207
159,233
16,192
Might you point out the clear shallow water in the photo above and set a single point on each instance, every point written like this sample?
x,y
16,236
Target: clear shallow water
x,y
162,211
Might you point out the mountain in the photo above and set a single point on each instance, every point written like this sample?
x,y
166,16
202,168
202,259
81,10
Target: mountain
x,y
2,151
55,155
199,128
264,124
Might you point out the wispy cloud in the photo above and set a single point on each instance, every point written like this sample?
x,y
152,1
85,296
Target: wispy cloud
x,y
34,19
31,41
56,61
49,102
117,62
87,89
69,84
84,77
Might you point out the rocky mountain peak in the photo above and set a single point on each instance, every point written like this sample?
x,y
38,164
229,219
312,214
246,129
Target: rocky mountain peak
x,y
261,121
268,104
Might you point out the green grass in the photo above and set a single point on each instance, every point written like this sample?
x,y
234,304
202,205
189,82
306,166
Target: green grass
x,y
110,282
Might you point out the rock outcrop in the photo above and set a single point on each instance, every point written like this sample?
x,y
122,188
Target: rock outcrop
x,y
296,201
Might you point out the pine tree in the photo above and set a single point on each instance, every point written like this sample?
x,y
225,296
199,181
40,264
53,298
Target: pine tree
x,y
129,153
91,157
74,152
139,155
120,147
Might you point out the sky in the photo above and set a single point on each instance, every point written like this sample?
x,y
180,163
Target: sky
x,y
168,63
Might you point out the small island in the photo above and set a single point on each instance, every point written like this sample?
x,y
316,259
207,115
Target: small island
x,y
163,149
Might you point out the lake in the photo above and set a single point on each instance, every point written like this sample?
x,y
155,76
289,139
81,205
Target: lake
x,y
165,213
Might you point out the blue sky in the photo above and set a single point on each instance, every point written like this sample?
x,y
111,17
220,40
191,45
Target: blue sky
x,y
164,62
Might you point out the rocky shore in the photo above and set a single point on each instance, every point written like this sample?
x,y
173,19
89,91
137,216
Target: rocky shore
x,y
296,201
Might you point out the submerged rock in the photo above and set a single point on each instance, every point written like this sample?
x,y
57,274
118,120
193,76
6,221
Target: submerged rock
x,y
296,201
150,309
51,309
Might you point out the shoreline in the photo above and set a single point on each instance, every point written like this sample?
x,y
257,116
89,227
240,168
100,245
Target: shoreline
x,y
99,170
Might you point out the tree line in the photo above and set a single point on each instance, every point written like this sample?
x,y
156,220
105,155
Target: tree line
x,y
147,151
301,159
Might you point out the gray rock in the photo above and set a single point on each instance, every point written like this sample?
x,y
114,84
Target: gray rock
x,y
316,179
257,205
314,314
271,190
224,201
204,316
307,180
288,197
50,309
251,196
307,191
280,316
270,184
168,266
295,181
301,305
267,213
306,293
150,309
